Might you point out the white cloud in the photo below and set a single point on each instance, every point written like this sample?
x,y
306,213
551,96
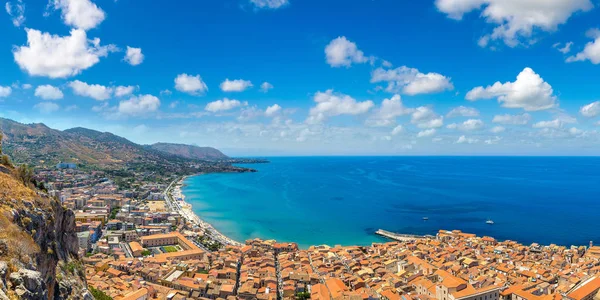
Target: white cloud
x,y
222,105
265,87
465,140
134,56
192,85
139,105
389,110
516,20
48,92
5,91
497,129
46,107
576,131
529,92
493,141
411,82
341,52
269,4
468,125
272,110
81,14
591,110
549,124
425,117
122,91
564,49
522,119
330,105
591,51
26,86
16,11
94,91
238,85
397,130
58,57
463,111
426,133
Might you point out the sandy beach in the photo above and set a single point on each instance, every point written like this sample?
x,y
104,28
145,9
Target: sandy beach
x,y
176,196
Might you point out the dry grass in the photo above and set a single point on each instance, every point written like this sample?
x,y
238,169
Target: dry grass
x,y
20,244
11,188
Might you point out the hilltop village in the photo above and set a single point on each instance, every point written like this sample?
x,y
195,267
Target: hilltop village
x,y
145,243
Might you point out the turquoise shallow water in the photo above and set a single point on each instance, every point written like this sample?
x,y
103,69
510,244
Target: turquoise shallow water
x,y
343,200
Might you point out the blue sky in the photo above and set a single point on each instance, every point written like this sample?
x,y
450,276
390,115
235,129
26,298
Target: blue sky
x,y
303,77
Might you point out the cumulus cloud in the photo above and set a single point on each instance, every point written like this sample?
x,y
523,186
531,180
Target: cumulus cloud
x,y
330,104
48,92
341,52
591,110
81,14
94,91
265,87
522,119
59,57
46,107
591,51
192,85
223,105
269,4
549,124
122,91
426,133
497,129
139,105
272,110
238,85
463,111
397,130
425,117
5,91
468,125
411,82
389,110
16,11
529,92
134,56
465,140
515,21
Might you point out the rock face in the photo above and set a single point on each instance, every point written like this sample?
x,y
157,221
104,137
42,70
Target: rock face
x,y
38,249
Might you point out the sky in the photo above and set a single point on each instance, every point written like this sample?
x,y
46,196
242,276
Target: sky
x,y
311,77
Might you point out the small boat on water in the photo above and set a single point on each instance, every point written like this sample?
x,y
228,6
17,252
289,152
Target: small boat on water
x,y
425,218
489,222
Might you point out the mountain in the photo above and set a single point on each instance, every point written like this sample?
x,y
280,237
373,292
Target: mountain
x,y
38,243
189,151
40,145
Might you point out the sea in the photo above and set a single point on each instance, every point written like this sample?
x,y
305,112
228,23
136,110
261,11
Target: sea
x,y
344,200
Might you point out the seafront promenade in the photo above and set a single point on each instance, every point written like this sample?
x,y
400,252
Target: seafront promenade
x,y
173,193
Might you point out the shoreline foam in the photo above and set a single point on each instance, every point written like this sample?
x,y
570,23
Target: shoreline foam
x,y
175,192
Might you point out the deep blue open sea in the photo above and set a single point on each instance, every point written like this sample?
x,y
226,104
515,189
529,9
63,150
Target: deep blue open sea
x,y
344,200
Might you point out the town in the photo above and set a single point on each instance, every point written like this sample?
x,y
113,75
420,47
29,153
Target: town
x,y
144,242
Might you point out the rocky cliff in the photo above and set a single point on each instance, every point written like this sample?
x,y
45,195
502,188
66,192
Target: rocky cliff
x,y
38,244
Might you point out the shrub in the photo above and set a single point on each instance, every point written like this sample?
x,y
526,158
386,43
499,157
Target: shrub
x,y
98,294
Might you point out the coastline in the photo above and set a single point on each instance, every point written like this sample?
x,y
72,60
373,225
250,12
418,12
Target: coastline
x,y
174,192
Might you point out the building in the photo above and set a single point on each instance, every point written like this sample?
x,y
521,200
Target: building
x,y
136,249
83,238
64,165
